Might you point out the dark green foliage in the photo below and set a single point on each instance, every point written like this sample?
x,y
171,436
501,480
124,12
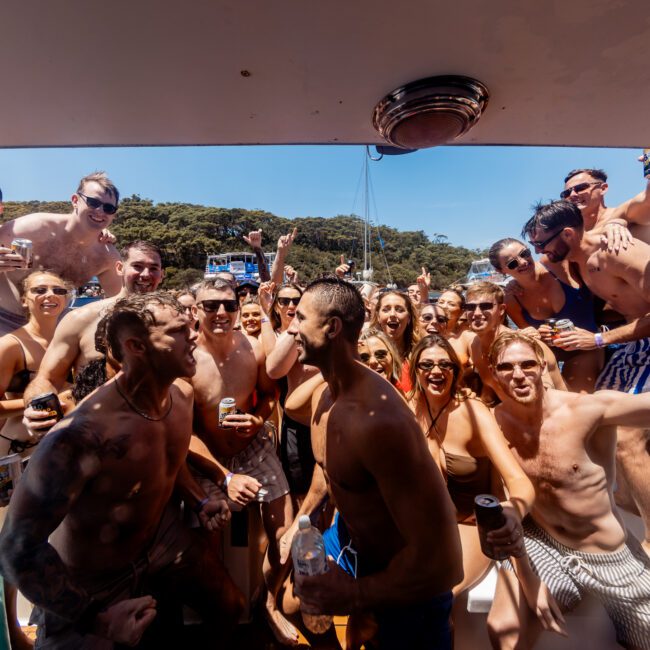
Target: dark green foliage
x,y
187,233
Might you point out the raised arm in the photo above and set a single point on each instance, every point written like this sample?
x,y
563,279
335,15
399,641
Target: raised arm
x,y
298,403
623,409
282,357
284,244
109,280
254,240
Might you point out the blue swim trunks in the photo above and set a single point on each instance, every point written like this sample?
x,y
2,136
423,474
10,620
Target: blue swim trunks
x,y
413,626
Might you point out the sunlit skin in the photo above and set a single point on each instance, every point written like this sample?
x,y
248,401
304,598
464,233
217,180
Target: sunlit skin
x,y
451,303
591,198
413,292
433,320
518,373
370,347
188,301
251,319
436,381
393,318
286,313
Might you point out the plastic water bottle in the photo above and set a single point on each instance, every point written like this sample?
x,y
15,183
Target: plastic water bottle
x,y
309,559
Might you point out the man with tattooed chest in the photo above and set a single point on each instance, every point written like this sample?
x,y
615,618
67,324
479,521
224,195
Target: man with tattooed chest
x,y
92,530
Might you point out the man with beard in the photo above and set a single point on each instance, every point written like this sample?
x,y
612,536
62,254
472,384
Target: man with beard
x,y
574,535
73,346
229,364
91,531
395,515
485,308
72,245
622,279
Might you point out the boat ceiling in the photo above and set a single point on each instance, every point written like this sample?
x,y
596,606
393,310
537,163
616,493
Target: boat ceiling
x,y
223,72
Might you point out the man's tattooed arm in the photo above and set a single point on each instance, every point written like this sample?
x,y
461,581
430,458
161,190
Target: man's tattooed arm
x,y
66,459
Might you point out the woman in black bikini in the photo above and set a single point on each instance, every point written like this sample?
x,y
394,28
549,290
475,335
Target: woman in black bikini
x,y
45,296
467,444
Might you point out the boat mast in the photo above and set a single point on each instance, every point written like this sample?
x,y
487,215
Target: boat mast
x,y
367,252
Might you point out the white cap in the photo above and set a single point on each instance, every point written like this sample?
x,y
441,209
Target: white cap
x,y
304,522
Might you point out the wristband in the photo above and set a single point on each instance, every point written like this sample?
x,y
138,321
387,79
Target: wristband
x,y
598,340
265,320
200,505
226,481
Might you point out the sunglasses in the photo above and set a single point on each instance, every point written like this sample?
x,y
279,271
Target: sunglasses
x,y
531,364
513,262
545,242
250,291
108,208
41,291
483,306
580,187
380,355
427,318
210,306
284,302
428,366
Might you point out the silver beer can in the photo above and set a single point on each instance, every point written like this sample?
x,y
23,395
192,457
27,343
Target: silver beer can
x,y
24,248
226,406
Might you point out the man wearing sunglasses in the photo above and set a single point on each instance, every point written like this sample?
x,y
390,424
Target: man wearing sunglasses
x,y
623,281
73,245
485,309
73,346
575,539
241,455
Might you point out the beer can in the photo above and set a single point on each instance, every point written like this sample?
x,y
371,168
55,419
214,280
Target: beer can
x,y
489,516
564,325
646,163
227,406
23,247
10,471
48,402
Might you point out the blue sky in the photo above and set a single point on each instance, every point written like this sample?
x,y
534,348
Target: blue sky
x,y
473,195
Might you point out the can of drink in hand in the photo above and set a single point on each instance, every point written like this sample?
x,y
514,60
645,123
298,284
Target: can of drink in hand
x,y
551,322
227,406
48,402
563,325
646,163
489,516
23,247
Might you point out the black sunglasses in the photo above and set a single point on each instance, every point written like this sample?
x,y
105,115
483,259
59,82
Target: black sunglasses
x,y
41,291
428,366
108,208
483,306
251,291
427,318
284,302
380,355
542,244
580,187
513,262
209,306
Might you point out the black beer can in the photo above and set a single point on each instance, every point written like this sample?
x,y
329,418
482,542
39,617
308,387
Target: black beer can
x,y
48,402
489,516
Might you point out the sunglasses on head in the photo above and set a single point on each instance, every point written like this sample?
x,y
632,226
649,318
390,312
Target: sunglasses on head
x,y
483,306
444,364
427,318
380,355
513,262
530,364
209,306
41,291
108,208
580,187
284,302
545,242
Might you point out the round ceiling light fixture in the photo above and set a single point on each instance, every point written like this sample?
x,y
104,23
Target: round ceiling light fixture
x,y
431,111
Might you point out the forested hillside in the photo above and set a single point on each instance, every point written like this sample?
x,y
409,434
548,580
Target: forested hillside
x,y
187,233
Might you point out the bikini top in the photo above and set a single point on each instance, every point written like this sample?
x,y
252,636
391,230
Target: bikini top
x,y
21,379
466,478
578,307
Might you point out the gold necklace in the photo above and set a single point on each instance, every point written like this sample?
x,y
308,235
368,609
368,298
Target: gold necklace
x,y
134,408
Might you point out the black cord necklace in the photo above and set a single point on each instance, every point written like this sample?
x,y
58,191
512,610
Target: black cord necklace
x,y
134,408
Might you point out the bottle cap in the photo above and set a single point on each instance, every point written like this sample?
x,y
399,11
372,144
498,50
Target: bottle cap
x,y
304,522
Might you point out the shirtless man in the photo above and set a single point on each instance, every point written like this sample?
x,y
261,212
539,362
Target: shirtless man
x,y
395,512
73,346
622,279
91,530
229,364
575,538
485,309
72,245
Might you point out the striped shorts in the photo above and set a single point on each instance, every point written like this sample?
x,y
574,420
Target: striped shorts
x,y
628,369
620,580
